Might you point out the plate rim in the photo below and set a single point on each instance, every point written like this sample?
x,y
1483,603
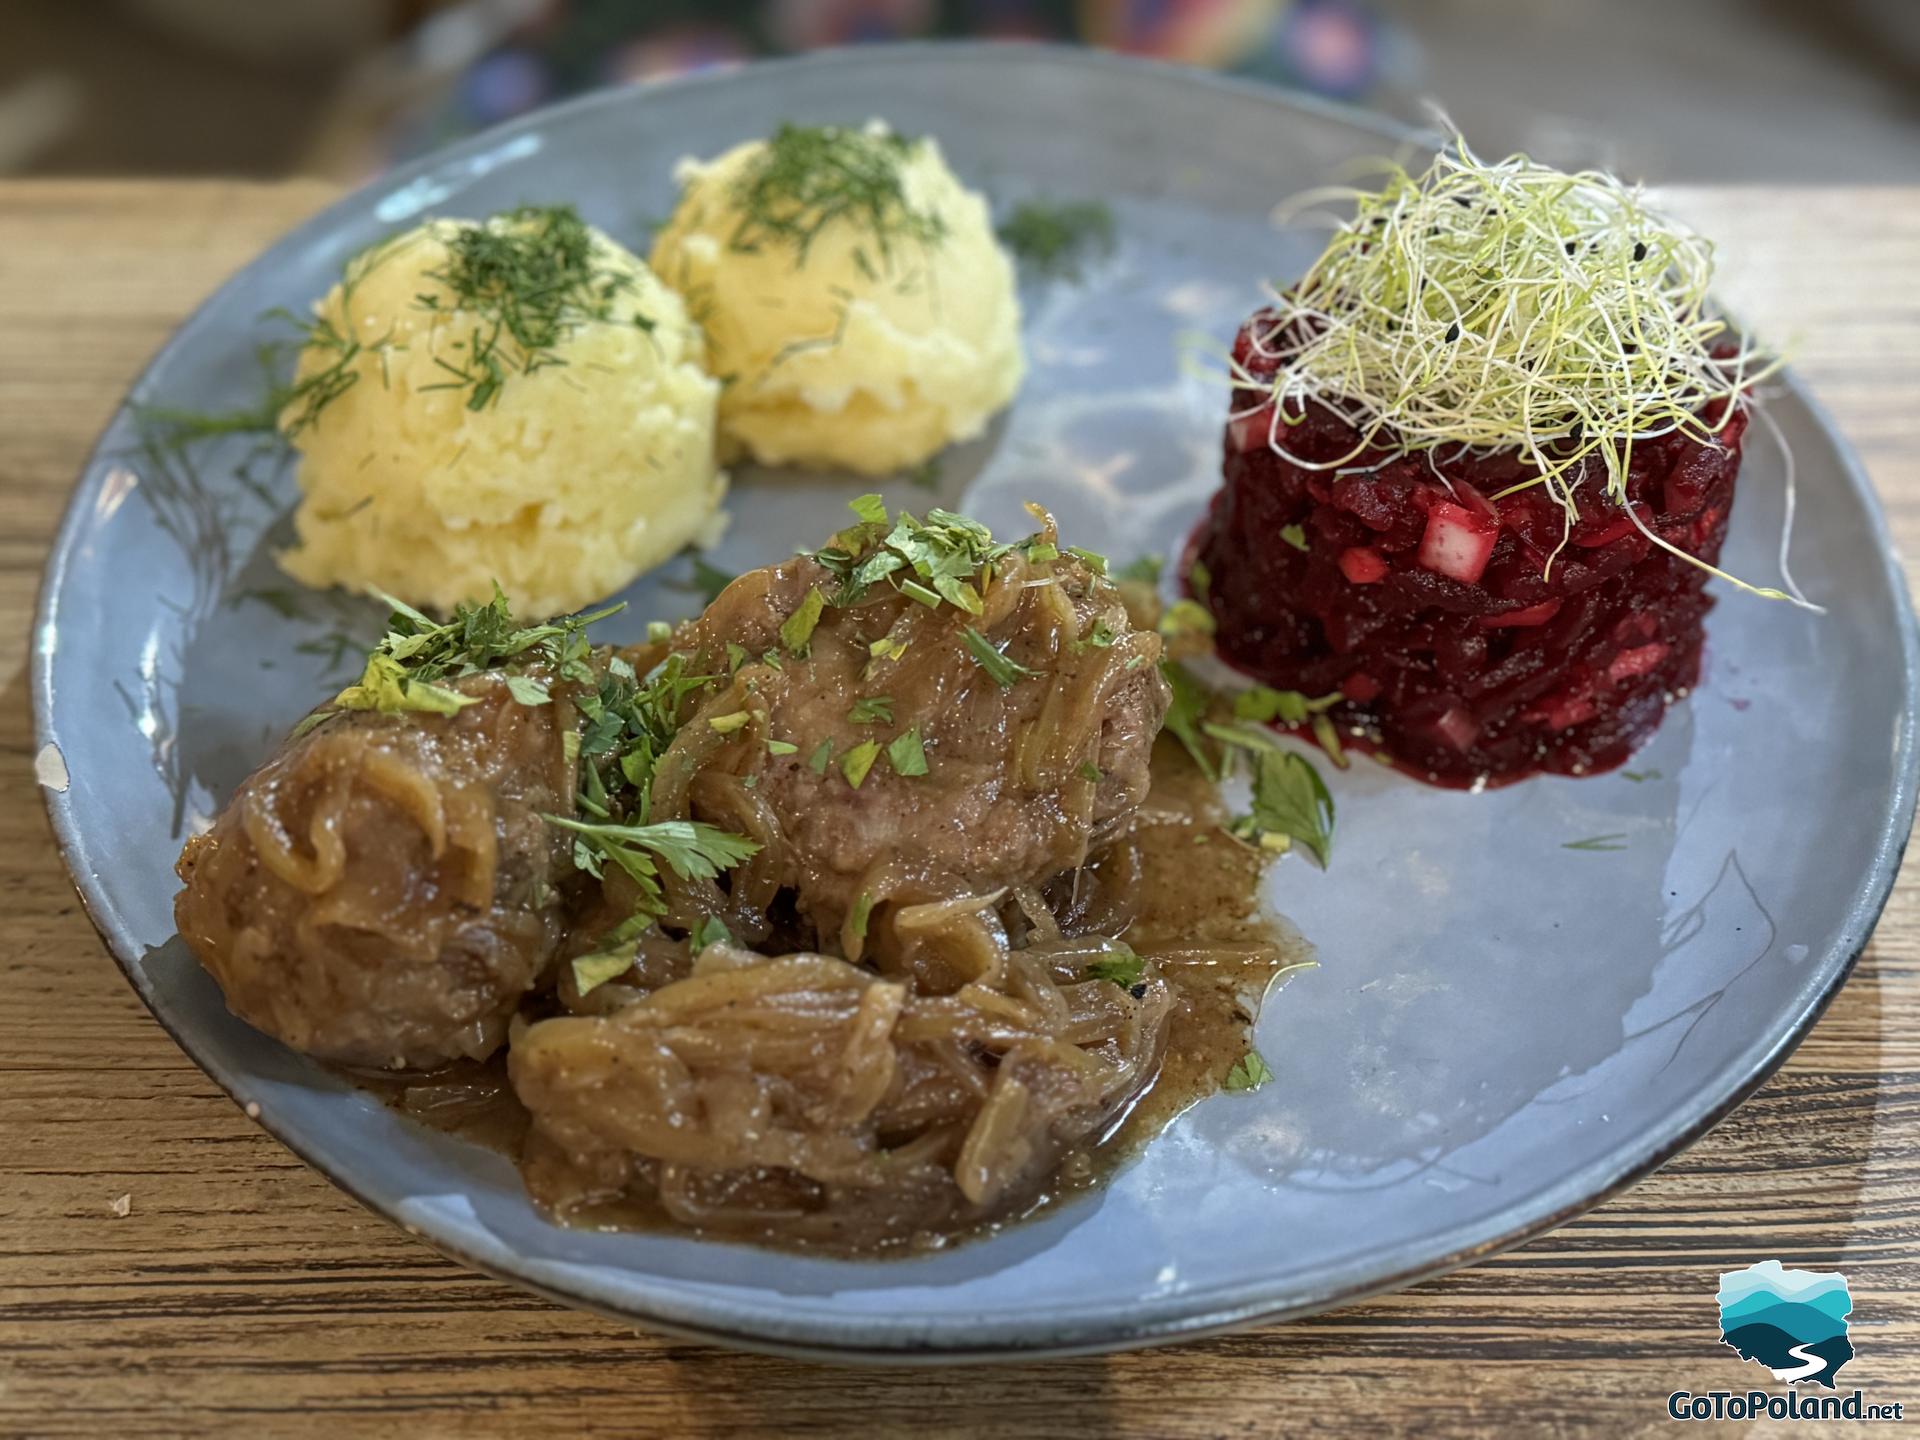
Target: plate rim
x,y
1164,1320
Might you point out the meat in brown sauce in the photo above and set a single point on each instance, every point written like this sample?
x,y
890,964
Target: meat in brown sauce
x,y
920,1006
383,891
1021,781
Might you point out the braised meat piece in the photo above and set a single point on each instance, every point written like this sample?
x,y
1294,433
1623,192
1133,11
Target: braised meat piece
x,y
383,892
902,747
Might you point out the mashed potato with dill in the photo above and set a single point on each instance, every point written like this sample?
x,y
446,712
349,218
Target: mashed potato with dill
x,y
856,304
516,401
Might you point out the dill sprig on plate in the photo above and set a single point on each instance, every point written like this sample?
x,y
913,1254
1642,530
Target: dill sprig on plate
x,y
809,177
1054,238
527,278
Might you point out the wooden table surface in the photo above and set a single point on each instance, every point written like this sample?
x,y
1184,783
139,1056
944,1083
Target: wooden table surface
x,y
241,1293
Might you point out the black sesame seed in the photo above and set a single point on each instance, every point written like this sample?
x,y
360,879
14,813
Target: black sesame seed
x,y
1139,992
1453,332
1639,251
1572,245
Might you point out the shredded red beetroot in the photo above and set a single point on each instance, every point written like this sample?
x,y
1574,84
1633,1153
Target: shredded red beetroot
x,y
1430,606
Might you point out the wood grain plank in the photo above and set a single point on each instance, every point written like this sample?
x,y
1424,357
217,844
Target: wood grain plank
x,y
241,1294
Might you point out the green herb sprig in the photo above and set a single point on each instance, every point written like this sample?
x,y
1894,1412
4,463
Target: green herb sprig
x,y
407,669
528,278
808,178
1053,239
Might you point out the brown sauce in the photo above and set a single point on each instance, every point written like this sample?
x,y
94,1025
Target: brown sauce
x,y
1199,918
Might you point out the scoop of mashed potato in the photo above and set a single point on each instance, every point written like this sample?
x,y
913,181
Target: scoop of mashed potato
x,y
855,301
518,401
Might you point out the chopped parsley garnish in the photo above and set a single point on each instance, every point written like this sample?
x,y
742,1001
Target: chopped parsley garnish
x,y
710,931
907,755
782,747
1054,238
1003,671
1144,568
406,670
527,690
527,279
872,710
1294,535
796,631
809,177
1122,966
1639,777
610,962
821,758
1291,806
727,724
691,849
1088,771
1185,714
858,761
933,560
1249,1072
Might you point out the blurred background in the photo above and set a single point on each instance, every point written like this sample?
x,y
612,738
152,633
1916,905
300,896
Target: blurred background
x,y
1673,90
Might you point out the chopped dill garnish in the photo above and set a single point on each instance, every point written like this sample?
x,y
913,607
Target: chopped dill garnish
x,y
1598,842
283,602
706,581
1054,238
527,279
809,177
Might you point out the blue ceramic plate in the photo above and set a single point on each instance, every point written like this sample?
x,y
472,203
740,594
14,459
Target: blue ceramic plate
x,y
1502,1030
